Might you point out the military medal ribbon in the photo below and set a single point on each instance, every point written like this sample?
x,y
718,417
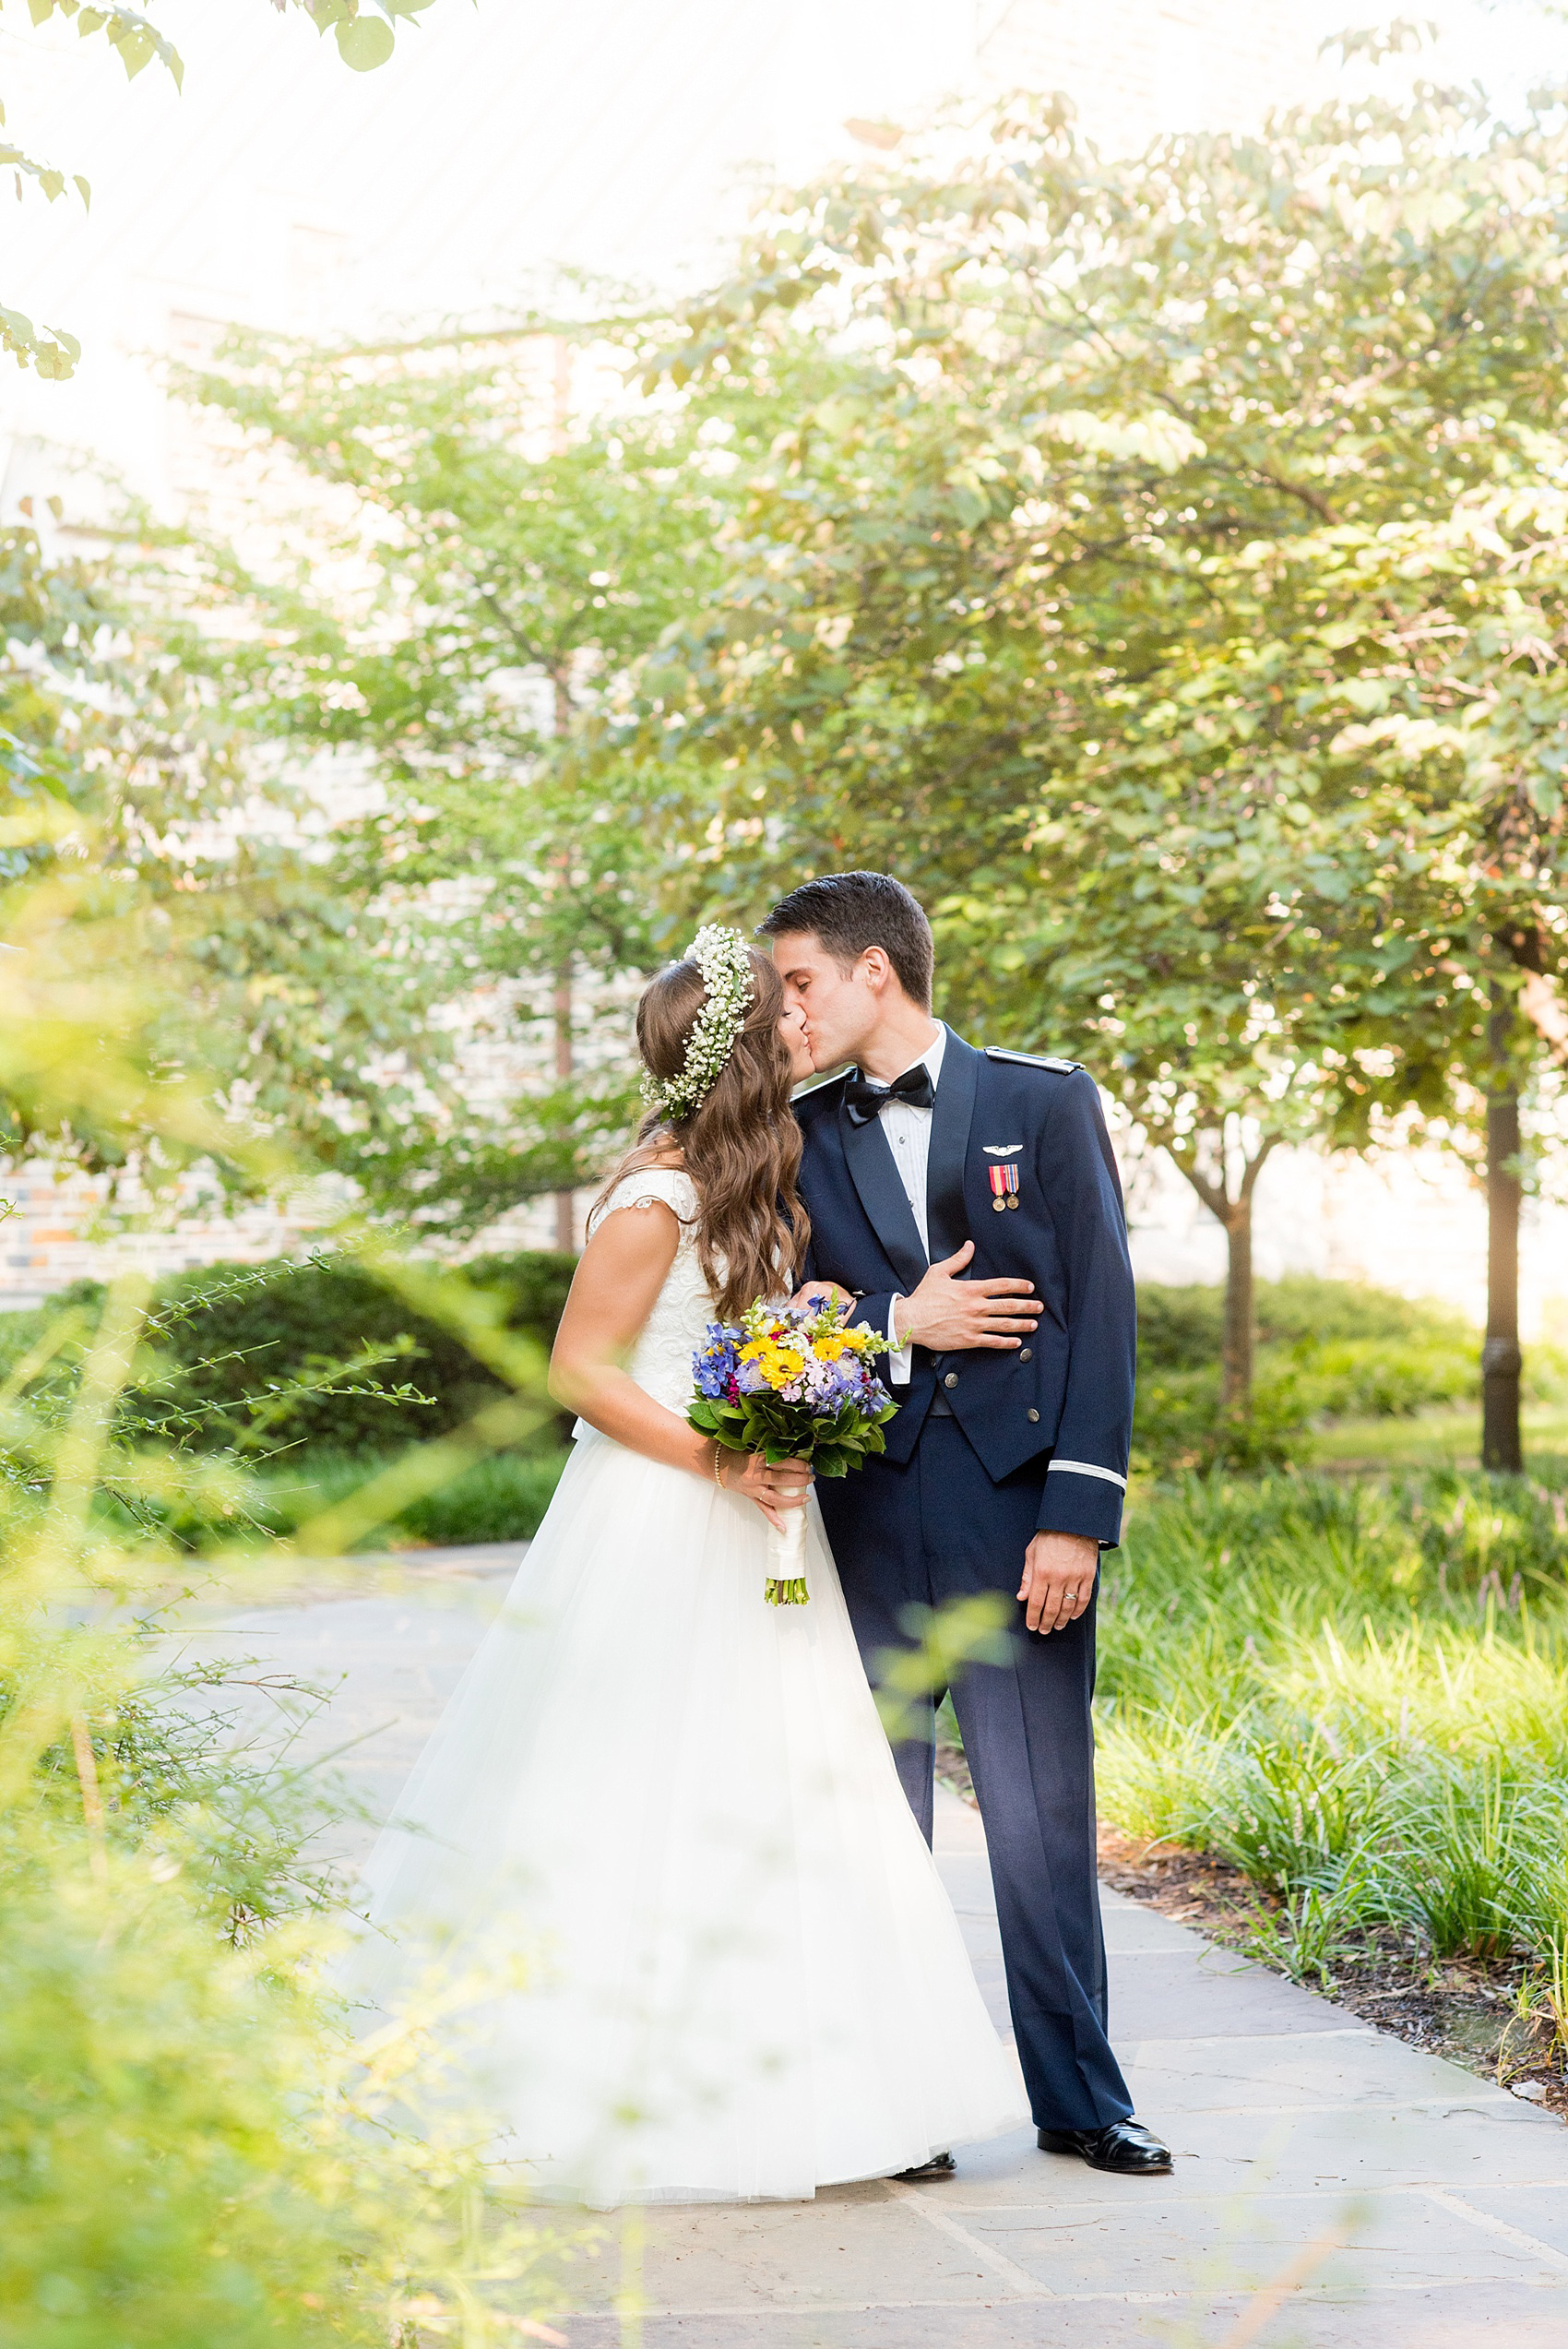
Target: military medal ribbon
x,y
1003,1186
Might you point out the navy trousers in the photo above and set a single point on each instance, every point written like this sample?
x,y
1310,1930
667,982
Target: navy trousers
x,y
936,1529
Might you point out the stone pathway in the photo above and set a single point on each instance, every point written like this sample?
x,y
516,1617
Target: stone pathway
x,y
1333,2186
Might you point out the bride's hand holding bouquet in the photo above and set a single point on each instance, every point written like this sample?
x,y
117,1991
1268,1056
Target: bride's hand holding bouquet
x,y
792,1385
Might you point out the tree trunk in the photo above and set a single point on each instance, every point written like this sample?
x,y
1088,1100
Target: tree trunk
x,y
1240,1316
1501,1449
1227,1194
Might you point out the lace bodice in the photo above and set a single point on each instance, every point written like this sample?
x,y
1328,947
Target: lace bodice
x,y
661,1359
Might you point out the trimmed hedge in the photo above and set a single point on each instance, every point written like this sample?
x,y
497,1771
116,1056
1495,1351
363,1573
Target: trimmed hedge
x,y
252,1327
1326,1349
1182,1329
305,1315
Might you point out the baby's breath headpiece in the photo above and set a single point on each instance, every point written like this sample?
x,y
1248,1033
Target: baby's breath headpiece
x,y
720,955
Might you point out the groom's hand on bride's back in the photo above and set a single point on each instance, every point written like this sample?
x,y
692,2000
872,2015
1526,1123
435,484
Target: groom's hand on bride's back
x,y
949,1315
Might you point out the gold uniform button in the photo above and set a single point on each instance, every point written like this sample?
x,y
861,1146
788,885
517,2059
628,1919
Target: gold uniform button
x,y
1033,1414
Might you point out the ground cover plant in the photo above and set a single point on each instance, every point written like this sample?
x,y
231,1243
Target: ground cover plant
x,y
1355,1694
500,1497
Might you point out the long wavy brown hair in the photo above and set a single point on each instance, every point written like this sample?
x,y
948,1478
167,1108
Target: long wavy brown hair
x,y
740,1145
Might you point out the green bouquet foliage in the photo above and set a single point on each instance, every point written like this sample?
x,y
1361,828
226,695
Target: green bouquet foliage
x,y
792,1385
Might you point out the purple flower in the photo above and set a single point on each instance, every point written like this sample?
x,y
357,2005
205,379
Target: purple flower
x,y
713,1364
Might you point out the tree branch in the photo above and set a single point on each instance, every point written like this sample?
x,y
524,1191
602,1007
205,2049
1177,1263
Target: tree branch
x,y
1253,1167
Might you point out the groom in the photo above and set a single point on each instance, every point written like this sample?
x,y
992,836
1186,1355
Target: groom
x,y
969,1201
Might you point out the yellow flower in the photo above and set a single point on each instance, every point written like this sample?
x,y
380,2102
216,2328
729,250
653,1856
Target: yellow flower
x,y
780,1366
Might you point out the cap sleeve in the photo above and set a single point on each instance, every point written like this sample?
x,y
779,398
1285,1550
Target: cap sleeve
x,y
665,1185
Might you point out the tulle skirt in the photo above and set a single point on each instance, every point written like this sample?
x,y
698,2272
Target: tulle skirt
x,y
661,1822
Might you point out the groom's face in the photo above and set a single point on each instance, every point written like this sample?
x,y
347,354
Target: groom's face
x,y
840,1008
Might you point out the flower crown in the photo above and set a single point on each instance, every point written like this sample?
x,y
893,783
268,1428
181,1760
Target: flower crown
x,y
726,966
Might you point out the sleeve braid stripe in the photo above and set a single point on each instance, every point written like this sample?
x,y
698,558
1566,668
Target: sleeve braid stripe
x,y
1086,1468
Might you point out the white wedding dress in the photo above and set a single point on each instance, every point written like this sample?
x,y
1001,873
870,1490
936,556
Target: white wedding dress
x,y
741,1975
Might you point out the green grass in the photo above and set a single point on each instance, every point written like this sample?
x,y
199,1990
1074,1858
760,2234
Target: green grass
x,y
1449,1438
501,1499
1358,1693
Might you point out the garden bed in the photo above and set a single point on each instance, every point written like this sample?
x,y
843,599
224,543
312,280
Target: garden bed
x,y
1333,1732
1465,2011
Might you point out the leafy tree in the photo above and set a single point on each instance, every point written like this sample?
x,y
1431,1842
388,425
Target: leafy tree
x,y
190,972
1169,587
365,40
500,569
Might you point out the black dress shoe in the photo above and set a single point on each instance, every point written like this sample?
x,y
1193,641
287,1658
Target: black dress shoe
x,y
939,2166
1126,2147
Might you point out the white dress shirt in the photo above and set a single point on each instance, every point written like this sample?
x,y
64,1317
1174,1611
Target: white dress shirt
x,y
908,1132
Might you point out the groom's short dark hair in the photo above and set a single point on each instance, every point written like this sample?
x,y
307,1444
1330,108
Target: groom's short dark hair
x,y
849,912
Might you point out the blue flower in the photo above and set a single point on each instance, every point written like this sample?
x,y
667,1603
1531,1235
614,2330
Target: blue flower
x,y
713,1364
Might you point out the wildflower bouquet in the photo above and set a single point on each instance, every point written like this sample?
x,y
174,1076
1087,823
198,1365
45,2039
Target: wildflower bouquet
x,y
792,1384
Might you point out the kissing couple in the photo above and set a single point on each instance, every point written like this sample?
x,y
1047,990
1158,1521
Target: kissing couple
x,y
735,1973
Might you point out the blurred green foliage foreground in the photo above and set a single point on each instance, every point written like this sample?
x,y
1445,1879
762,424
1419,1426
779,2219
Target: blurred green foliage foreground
x,y
192,2151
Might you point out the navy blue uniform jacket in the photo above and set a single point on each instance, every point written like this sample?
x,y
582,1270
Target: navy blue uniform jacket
x,y
1065,1399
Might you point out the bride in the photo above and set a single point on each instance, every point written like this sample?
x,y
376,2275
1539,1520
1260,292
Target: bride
x,y
669,1803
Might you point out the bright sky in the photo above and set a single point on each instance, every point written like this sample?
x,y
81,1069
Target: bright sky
x,y
508,138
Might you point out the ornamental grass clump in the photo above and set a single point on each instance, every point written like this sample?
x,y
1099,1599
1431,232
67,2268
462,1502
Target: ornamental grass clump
x,y
1353,1693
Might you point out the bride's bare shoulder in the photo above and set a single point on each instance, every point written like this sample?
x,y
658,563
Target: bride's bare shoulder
x,y
635,1184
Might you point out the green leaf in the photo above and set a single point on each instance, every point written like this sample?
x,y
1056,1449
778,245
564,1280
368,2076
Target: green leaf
x,y
365,44
136,47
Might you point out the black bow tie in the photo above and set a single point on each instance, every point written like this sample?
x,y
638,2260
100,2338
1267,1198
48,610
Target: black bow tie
x,y
863,1100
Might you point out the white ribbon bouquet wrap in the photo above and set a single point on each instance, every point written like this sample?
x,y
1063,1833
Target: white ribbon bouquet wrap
x,y
786,1560
792,1383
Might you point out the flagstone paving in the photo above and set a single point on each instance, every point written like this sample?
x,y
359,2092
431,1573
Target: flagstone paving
x,y
1334,2188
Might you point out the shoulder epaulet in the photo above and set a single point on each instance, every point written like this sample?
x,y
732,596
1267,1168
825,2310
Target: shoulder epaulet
x,y
1033,1060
